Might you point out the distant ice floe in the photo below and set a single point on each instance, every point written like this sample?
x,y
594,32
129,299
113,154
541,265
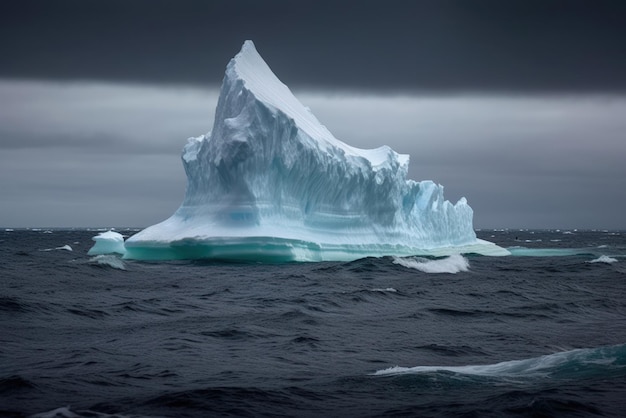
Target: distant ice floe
x,y
452,264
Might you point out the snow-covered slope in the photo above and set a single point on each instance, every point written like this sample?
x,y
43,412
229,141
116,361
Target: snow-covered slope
x,y
270,182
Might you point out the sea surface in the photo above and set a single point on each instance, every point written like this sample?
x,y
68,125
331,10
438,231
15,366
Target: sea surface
x,y
539,333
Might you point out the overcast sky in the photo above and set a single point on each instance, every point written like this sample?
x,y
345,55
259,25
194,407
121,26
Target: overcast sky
x,y
520,106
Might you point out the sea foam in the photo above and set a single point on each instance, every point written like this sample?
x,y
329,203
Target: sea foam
x,y
452,264
108,260
63,247
604,259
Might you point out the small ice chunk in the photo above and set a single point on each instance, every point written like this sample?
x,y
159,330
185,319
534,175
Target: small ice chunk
x,y
108,243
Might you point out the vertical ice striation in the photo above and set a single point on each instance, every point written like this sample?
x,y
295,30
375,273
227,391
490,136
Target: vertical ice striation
x,y
270,182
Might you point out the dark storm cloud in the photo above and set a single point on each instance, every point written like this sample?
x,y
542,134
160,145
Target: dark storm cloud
x,y
480,45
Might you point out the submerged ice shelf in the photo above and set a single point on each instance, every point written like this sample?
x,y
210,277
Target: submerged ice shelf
x,y
271,183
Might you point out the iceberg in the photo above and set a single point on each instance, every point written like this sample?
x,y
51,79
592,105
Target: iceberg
x,y
271,183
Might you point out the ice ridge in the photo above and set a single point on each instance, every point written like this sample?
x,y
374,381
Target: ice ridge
x,y
270,182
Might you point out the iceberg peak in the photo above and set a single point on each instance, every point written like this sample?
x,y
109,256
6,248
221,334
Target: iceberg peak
x,y
270,182
257,77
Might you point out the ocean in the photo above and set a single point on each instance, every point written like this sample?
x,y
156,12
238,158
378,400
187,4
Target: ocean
x,y
540,333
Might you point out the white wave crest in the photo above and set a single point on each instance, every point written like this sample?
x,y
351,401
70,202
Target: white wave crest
x,y
64,247
604,259
108,260
536,366
66,412
452,264
388,289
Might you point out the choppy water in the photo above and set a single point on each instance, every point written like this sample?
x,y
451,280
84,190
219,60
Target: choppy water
x,y
540,333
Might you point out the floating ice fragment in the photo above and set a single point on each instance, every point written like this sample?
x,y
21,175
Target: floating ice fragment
x,y
108,243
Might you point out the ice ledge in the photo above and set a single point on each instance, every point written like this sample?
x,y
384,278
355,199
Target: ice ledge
x,y
272,249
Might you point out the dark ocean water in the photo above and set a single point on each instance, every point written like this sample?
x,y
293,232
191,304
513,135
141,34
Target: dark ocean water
x,y
541,333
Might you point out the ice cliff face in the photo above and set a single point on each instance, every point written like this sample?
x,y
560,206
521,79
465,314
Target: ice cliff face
x,y
271,182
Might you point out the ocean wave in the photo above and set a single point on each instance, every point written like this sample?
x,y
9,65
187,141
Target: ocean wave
x,y
604,259
108,260
567,364
452,264
388,289
63,247
67,412
15,383
12,304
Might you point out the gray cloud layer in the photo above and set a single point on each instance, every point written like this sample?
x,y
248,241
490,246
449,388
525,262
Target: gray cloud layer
x,y
517,105
93,154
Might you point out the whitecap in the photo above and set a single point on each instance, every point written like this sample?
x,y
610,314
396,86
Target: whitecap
x,y
63,247
563,363
452,264
388,289
63,412
604,259
108,260
66,412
